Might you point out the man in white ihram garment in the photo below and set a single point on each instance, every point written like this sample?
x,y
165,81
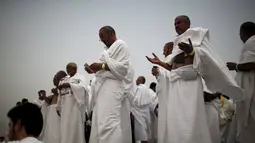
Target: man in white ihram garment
x,y
212,115
108,90
161,75
71,105
143,106
245,78
185,115
51,126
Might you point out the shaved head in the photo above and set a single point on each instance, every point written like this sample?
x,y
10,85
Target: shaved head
x,y
59,75
107,35
168,48
182,23
185,18
71,68
108,29
140,80
247,30
72,65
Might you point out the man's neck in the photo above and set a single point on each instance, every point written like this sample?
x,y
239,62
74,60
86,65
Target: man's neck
x,y
23,136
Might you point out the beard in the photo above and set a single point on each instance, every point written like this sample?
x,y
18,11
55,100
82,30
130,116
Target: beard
x,y
12,135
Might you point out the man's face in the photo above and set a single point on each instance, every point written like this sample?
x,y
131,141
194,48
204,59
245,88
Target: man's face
x,y
13,130
181,25
55,80
105,37
242,36
70,70
154,71
138,81
167,50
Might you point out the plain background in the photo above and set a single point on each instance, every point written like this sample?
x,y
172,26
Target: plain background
x,y
39,37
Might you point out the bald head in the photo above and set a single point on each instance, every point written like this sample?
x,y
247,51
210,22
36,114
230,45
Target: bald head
x,y
140,80
168,48
58,76
247,30
108,29
107,35
71,68
182,23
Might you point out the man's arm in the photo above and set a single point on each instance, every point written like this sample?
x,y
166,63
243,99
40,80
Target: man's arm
x,y
245,67
99,66
241,67
165,65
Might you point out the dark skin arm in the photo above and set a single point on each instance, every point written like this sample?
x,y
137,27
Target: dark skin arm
x,y
156,60
187,48
95,67
241,67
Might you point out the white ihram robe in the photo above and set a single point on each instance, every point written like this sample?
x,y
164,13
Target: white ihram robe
x,y
51,122
71,104
226,111
109,97
162,93
143,107
245,110
212,116
186,117
213,122
27,140
126,107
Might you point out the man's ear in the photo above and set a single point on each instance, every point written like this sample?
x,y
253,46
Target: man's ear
x,y
18,126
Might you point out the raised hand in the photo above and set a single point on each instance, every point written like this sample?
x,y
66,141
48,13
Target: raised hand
x,y
154,60
187,48
42,94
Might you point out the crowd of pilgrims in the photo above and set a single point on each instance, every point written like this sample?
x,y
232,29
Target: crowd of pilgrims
x,y
195,98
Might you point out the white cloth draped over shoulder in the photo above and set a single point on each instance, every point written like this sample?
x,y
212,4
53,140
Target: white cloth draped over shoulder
x,y
51,123
143,106
208,64
72,105
213,122
126,107
186,117
109,96
162,93
245,110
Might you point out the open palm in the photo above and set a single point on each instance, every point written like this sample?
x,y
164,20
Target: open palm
x,y
154,60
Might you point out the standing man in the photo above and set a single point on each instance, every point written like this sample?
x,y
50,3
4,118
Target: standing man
x,y
72,105
109,89
25,123
245,78
51,130
185,116
161,75
143,110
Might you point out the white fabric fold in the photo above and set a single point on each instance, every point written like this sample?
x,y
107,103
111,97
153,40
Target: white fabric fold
x,y
109,92
208,64
72,105
185,109
143,106
245,110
